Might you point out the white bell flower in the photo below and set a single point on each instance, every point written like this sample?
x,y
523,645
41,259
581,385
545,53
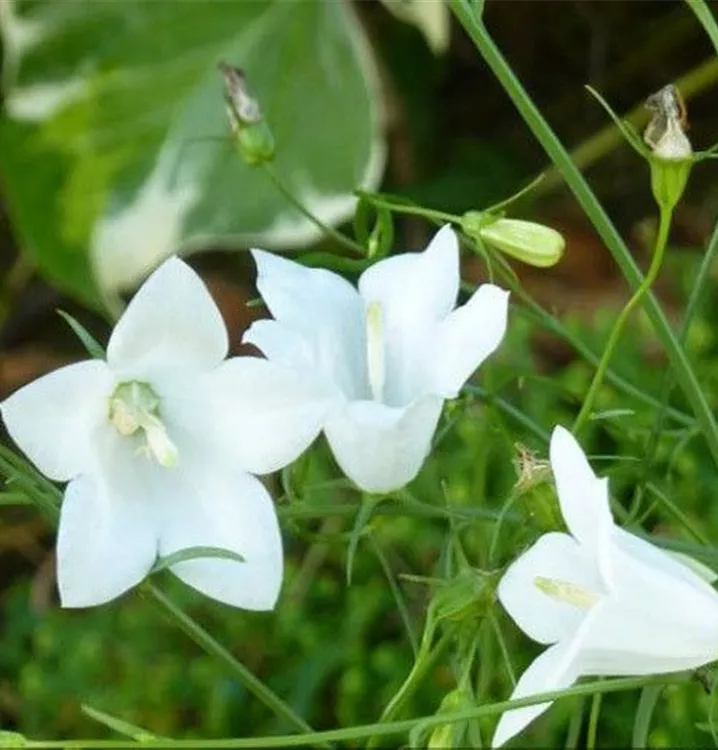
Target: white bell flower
x,y
379,361
605,601
151,443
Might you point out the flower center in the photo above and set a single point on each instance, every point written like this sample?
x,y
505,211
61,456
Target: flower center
x,y
375,350
566,592
134,409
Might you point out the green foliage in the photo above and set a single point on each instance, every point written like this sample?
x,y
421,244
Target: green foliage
x,y
132,86
116,148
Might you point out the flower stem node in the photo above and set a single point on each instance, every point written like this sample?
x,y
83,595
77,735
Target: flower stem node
x,y
134,408
531,243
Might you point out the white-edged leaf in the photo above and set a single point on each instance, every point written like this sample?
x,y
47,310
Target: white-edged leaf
x,y
115,145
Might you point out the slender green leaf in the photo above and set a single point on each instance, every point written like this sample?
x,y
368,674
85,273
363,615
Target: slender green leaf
x,y
195,553
91,344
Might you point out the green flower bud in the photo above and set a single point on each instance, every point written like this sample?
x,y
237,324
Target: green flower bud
x,y
252,136
536,492
671,155
527,241
255,144
668,179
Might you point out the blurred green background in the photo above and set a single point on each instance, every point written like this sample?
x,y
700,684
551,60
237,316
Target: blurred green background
x,y
355,95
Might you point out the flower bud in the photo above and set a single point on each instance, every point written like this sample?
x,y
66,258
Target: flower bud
x,y
668,180
253,138
255,144
671,155
536,492
527,241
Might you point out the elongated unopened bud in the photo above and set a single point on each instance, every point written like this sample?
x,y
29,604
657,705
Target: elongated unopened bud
x,y
527,241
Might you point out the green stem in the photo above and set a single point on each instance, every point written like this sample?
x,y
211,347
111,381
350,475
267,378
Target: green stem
x,y
655,267
341,238
644,713
368,730
704,14
593,721
405,208
574,726
423,663
574,179
697,288
202,638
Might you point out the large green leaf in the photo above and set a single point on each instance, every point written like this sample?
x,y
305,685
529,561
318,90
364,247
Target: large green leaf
x,y
107,152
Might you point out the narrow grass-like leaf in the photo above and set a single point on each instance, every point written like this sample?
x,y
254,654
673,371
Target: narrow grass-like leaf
x,y
91,344
118,725
195,553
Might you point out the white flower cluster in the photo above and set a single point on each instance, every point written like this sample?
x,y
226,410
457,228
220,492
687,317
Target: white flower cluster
x,y
160,445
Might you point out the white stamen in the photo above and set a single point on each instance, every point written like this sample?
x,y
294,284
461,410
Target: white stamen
x,y
375,350
566,592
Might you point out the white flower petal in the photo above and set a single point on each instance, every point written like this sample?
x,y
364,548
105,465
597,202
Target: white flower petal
x,y
614,663
53,418
106,541
172,322
257,414
656,558
416,286
583,498
557,557
557,668
323,311
467,337
381,448
281,344
215,505
656,616
414,291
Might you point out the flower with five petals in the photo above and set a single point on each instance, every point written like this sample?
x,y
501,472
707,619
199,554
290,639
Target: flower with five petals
x,y
151,445
378,361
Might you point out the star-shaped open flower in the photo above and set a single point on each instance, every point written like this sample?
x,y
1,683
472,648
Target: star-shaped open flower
x,y
381,359
151,443
605,601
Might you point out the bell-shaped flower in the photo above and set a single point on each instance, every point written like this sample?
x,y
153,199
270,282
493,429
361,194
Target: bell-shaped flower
x,y
605,601
379,361
151,445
